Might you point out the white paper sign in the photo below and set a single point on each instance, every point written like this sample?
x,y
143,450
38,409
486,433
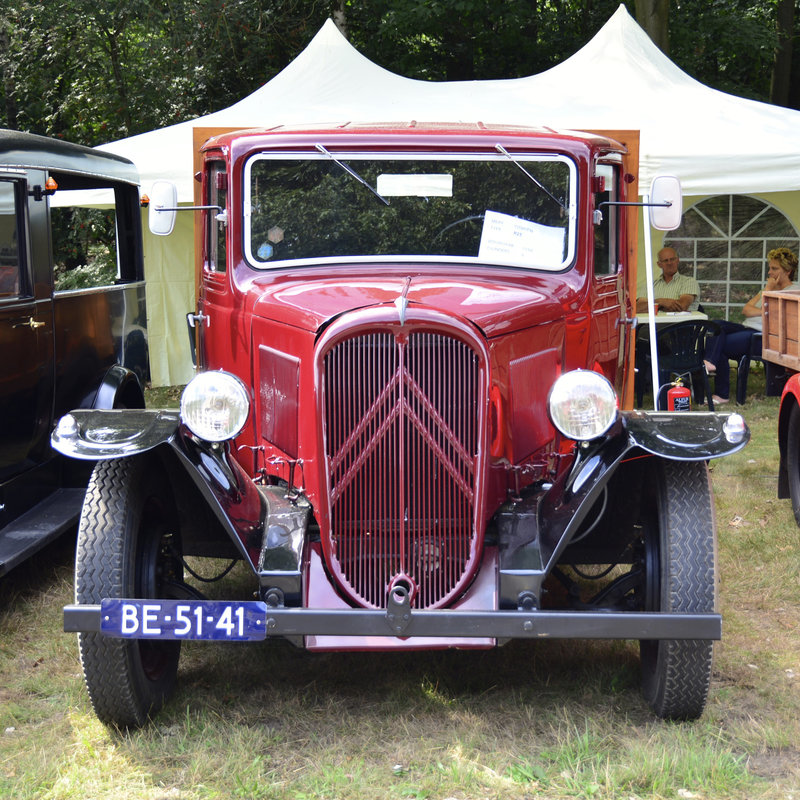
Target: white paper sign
x,y
415,185
511,240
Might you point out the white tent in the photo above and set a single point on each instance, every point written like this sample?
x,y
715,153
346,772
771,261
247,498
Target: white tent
x,y
714,142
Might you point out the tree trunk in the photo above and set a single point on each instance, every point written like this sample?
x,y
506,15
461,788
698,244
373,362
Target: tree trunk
x,y
782,65
653,16
112,41
340,18
794,84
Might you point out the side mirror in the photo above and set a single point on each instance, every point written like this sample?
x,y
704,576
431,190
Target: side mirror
x,y
163,208
666,203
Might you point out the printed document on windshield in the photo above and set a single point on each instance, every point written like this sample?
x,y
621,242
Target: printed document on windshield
x,y
512,240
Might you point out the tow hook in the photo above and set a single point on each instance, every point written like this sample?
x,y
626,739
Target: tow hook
x,y
398,609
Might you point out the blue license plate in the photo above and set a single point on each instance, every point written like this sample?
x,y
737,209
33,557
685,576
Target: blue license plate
x,y
227,621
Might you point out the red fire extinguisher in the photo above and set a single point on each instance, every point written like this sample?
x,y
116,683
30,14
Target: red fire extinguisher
x,y
679,397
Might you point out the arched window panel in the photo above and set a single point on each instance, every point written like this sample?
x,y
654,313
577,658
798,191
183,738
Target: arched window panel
x,y
723,242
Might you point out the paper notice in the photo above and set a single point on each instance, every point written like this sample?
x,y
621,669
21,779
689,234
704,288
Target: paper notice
x,y
511,240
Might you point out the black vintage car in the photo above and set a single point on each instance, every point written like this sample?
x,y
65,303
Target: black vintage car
x,y
71,211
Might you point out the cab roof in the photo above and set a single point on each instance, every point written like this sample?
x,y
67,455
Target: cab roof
x,y
19,150
434,132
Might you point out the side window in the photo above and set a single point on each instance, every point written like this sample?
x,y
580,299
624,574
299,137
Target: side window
x,y
606,228
216,195
84,247
94,231
10,265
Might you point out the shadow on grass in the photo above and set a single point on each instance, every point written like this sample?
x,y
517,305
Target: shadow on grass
x,y
262,679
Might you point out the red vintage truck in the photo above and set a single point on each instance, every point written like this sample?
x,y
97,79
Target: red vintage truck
x,y
414,345
781,350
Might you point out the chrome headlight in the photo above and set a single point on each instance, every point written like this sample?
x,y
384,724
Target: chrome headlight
x,y
214,406
582,404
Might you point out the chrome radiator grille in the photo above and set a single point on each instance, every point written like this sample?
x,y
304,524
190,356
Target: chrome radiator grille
x,y
401,418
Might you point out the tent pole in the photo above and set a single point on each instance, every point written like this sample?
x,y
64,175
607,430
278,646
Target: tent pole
x,y
648,268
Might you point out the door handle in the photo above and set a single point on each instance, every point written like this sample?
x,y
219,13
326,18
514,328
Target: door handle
x,y
30,323
198,319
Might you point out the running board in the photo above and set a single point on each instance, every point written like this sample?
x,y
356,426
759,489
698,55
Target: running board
x,y
36,528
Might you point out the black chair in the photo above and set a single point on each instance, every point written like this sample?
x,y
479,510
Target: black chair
x,y
776,375
743,367
681,353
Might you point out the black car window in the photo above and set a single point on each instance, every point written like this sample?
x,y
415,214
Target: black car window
x,y
9,241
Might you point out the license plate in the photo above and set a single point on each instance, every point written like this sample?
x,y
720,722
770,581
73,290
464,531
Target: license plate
x,y
228,621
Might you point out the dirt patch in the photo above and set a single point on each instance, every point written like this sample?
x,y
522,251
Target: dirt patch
x,y
775,764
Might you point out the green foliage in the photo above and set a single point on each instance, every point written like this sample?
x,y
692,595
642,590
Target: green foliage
x,y
84,247
94,72
100,271
728,44
474,39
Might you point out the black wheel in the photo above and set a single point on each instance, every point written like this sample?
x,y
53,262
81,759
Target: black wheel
x,y
128,546
680,575
793,460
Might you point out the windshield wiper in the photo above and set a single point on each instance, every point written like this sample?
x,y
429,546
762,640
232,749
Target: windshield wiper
x,y
501,149
350,171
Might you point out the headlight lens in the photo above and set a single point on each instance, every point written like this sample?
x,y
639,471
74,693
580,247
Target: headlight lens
x,y
214,406
583,405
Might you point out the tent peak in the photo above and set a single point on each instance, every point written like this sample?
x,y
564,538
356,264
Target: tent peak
x,y
331,23
328,29
622,48
622,11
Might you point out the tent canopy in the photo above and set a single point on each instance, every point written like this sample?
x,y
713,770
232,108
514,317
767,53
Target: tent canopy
x,y
714,142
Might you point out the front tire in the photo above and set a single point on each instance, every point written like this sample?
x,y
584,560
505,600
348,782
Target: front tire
x,y
128,546
681,576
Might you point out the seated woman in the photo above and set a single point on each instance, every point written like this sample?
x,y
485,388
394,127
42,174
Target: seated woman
x,y
734,340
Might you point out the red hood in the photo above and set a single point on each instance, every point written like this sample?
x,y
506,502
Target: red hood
x,y
496,308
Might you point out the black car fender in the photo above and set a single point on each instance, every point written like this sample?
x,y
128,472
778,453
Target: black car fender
x,y
232,495
686,435
243,510
98,434
679,436
788,402
535,529
120,388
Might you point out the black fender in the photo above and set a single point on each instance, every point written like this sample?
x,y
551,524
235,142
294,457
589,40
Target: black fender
x,y
686,435
98,434
120,388
536,529
234,498
232,495
679,436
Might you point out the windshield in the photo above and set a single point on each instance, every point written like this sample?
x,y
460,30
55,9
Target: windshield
x,y
498,209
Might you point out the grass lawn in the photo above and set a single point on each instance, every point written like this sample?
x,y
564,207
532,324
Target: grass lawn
x,y
528,720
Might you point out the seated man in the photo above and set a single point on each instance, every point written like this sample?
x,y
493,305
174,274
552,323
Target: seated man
x,y
672,291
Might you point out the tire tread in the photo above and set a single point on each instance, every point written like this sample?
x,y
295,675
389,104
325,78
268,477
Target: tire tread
x,y
100,571
679,688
